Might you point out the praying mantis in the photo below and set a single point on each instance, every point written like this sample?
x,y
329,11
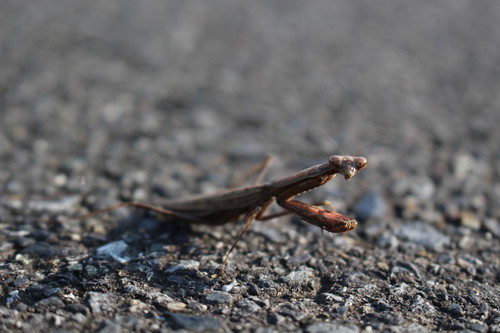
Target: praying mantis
x,y
252,201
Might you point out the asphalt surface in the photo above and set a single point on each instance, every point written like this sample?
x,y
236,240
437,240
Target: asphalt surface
x,y
103,102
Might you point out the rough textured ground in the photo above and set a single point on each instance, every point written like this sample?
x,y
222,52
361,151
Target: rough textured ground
x,y
108,101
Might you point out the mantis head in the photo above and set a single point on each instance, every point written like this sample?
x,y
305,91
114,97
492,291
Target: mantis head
x,y
348,166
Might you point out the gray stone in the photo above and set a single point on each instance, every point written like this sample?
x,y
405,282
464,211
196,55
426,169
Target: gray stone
x,y
371,205
194,323
331,327
423,234
114,250
248,305
219,298
184,265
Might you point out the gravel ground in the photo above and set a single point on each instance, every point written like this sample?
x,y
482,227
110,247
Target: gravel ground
x,y
109,101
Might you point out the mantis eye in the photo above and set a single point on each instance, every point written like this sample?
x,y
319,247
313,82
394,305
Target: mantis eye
x,y
360,162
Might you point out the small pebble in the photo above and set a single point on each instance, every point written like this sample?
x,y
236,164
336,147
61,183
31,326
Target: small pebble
x,y
421,306
382,306
24,242
478,327
423,234
160,298
331,298
56,206
177,306
463,166
228,287
371,206
275,319
91,270
20,282
493,226
184,265
253,289
383,266
470,220
342,310
53,302
354,278
77,308
304,277
260,301
41,249
130,288
387,241
218,298
331,327
194,323
101,302
74,266
248,305
293,310
455,310
115,251
268,284
14,186
51,291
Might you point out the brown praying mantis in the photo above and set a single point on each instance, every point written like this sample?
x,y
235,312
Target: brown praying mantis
x,y
252,201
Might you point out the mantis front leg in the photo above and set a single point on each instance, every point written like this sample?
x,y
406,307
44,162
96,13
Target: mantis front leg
x,y
325,219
